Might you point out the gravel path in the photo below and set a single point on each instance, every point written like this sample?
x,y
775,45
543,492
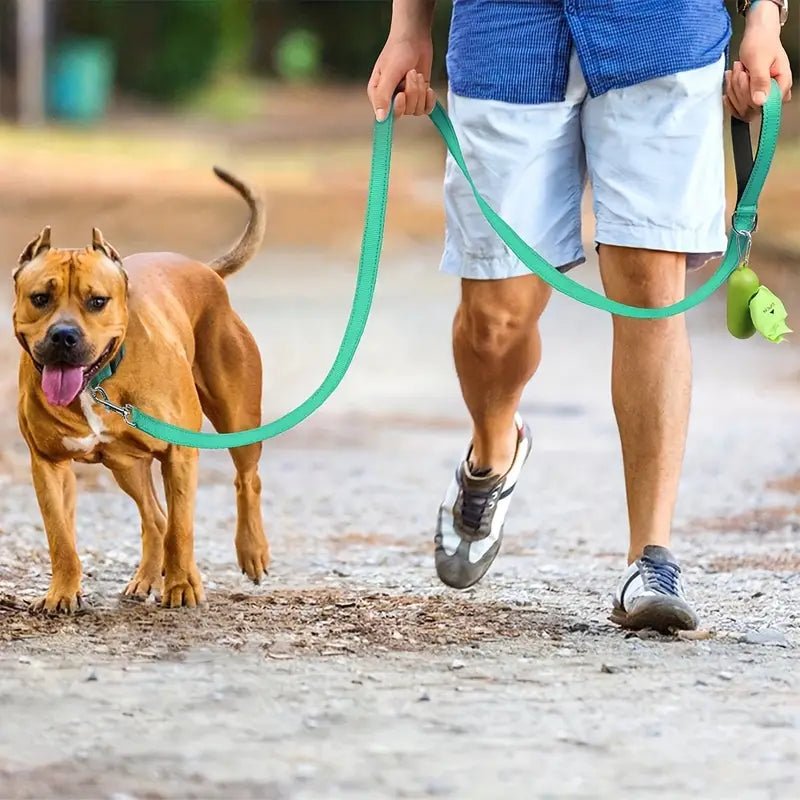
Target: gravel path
x,y
351,672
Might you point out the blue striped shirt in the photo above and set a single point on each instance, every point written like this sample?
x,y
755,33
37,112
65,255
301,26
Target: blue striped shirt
x,y
518,51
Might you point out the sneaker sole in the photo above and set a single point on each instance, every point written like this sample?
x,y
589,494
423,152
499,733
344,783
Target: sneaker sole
x,y
458,572
662,614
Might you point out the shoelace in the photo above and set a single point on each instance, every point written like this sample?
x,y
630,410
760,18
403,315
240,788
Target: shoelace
x,y
477,504
660,576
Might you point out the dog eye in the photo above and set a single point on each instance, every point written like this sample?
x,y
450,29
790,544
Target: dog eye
x,y
40,299
97,303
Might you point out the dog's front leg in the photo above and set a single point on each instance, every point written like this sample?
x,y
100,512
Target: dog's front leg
x,y
54,483
182,584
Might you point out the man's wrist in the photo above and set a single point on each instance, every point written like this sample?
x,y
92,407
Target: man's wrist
x,y
767,12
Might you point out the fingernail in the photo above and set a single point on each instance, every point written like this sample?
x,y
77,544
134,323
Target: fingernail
x,y
759,98
380,114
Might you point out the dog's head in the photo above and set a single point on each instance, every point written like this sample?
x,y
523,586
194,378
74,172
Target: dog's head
x,y
70,312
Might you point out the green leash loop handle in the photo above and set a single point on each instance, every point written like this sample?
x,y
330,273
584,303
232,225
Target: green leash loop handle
x,y
744,219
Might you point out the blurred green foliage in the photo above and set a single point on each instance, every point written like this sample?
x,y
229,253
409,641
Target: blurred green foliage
x,y
169,49
352,32
165,49
297,55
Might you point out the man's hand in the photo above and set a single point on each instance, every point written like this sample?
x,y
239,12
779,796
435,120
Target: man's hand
x,y
404,63
761,57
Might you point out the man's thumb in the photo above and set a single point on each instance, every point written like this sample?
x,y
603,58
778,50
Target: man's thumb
x,y
383,93
759,82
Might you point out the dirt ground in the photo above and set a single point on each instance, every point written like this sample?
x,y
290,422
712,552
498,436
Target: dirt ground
x,y
351,672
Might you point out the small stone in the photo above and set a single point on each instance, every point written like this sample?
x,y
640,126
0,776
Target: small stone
x,y
695,636
457,664
92,676
778,722
767,637
438,789
725,676
579,627
646,633
305,771
424,697
609,669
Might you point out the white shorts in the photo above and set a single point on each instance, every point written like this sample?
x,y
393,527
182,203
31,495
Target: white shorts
x,y
653,153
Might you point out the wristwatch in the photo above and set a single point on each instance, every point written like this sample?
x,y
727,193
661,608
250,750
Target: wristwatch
x,y
743,6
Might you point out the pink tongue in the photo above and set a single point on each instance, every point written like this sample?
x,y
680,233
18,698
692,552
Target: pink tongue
x,y
61,384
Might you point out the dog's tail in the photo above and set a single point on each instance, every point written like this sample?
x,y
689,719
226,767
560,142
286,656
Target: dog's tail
x,y
250,240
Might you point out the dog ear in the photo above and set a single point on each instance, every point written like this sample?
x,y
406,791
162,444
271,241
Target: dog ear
x,y
37,246
102,246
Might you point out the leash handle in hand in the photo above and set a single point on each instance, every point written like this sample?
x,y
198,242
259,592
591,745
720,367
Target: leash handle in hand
x,y
751,174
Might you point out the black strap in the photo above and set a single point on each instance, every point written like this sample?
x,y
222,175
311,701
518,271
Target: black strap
x,y
742,154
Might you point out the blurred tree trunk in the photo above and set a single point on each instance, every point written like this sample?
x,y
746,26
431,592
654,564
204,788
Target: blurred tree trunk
x,y
31,34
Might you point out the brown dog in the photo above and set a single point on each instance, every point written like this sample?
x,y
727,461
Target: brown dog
x,y
186,353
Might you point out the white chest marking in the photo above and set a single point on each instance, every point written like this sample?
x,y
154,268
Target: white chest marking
x,y
85,444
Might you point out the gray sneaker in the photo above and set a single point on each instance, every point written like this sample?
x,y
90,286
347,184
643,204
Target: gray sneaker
x,y
471,517
651,594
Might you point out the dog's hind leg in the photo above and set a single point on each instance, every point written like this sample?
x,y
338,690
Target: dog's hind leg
x,y
228,377
136,480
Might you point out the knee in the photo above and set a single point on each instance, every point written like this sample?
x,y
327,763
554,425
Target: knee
x,y
648,278
492,323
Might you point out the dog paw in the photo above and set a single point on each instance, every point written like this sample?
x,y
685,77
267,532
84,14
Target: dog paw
x,y
143,583
253,557
59,601
183,590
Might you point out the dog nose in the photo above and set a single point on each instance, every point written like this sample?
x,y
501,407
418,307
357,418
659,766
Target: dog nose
x,y
66,336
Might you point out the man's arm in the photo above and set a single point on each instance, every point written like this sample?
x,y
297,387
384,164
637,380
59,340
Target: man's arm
x,y
761,58
412,16
406,59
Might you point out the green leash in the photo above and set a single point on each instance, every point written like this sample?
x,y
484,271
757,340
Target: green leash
x,y
744,222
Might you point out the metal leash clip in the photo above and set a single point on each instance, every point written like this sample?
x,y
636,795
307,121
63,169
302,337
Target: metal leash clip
x,y
744,252
99,396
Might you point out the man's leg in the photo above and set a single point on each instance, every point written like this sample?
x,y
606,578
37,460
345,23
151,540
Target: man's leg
x,y
651,377
497,349
650,387
656,163
529,163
